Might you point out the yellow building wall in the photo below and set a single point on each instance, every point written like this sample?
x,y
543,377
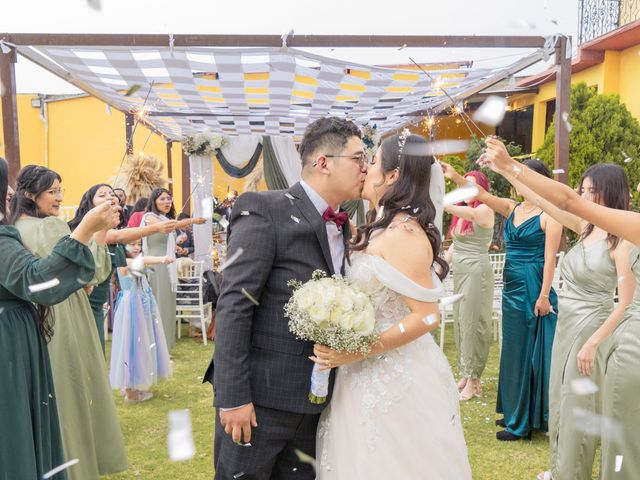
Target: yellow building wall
x,y
629,71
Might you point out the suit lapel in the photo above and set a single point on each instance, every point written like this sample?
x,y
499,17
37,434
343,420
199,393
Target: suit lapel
x,y
310,213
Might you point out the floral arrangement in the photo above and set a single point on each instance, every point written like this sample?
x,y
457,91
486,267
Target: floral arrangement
x,y
370,139
205,143
332,312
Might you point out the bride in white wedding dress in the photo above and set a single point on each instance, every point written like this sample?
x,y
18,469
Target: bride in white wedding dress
x,y
395,414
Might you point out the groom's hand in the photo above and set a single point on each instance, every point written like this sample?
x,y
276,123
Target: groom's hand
x,y
238,422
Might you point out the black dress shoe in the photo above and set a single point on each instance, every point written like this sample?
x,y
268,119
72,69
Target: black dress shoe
x,y
505,436
500,423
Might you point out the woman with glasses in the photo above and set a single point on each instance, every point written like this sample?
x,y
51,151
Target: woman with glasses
x,y
88,419
164,278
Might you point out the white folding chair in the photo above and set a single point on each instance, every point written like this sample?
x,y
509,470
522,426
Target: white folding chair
x,y
497,264
189,299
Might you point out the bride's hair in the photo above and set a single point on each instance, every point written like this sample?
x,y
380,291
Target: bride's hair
x,y
408,195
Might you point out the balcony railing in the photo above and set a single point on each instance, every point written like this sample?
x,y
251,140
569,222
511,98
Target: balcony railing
x,y
598,17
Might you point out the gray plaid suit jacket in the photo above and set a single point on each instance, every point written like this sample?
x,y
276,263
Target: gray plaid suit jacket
x,y
256,358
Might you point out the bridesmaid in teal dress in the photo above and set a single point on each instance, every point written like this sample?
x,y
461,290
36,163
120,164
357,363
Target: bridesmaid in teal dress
x,y
30,443
620,446
529,313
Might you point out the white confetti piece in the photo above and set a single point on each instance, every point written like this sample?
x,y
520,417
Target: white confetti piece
x,y
618,463
152,346
444,301
305,458
82,281
238,475
207,208
95,4
295,219
289,196
231,259
517,169
416,210
547,476
627,159
245,213
492,111
250,297
59,468
108,109
38,287
180,437
401,327
430,319
461,194
594,425
565,119
583,386
620,278
137,266
557,171
439,147
224,223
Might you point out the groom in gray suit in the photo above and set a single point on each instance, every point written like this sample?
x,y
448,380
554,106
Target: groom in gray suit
x,y
260,371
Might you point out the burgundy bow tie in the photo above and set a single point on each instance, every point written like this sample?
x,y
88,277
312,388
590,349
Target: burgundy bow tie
x,y
338,218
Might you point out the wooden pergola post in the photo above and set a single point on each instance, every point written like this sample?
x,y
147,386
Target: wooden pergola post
x,y
129,121
186,184
10,112
563,98
169,166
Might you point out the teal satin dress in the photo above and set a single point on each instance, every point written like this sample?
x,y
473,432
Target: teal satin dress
x,y
525,361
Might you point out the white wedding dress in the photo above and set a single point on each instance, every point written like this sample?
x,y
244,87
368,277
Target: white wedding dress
x,y
396,415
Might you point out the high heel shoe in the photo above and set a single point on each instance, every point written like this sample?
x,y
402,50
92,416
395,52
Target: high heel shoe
x,y
505,436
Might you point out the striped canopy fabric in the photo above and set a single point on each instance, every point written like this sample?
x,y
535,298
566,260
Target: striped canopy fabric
x,y
265,91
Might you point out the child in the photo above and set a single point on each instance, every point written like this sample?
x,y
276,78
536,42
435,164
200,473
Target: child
x,y
139,354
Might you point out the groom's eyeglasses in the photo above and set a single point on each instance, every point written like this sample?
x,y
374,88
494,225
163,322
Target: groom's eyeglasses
x,y
361,158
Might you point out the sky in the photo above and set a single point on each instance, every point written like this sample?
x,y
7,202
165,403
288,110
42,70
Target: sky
x,y
408,17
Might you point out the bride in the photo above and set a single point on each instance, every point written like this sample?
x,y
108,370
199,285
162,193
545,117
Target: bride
x,y
395,413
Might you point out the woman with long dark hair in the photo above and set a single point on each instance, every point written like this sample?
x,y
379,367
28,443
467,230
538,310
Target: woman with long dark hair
x,y
620,442
471,232
164,278
30,444
90,428
394,258
115,239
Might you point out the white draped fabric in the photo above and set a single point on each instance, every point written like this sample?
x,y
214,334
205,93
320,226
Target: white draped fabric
x,y
288,158
238,150
436,192
201,169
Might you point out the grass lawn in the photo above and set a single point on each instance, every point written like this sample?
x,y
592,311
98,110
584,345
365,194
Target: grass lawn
x,y
145,425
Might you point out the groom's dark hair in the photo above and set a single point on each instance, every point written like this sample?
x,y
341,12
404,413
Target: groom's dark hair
x,y
329,133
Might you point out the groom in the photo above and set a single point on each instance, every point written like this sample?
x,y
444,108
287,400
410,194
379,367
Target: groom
x,y
260,372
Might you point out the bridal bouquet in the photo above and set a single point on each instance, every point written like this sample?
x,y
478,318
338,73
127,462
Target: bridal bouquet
x,y
332,312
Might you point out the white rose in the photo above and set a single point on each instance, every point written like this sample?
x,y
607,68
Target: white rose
x,y
344,301
364,321
342,319
303,298
318,314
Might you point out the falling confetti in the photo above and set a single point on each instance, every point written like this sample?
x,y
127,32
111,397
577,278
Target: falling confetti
x,y
59,468
289,196
137,266
627,158
437,148
444,301
107,108
224,223
461,194
404,45
180,437
153,345
565,119
492,111
238,475
250,297
594,424
430,319
245,213
583,386
618,463
305,458
295,219
557,171
207,207
38,287
401,327
134,88
231,259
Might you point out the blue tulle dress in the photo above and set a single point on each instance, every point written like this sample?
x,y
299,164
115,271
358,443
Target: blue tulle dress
x,y
139,354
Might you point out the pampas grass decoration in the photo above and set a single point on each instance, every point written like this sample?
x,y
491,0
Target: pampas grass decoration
x,y
255,178
140,176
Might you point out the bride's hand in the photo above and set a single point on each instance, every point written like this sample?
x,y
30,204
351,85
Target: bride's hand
x,y
328,358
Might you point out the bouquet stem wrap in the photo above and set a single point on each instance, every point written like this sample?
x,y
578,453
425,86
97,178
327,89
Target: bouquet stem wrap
x,y
319,385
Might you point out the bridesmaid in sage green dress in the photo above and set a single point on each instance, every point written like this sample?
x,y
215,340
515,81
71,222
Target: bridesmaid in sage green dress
x,y
586,318
88,418
30,443
620,442
472,231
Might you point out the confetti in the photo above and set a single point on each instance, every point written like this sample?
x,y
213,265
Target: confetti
x,y
107,108
295,219
594,424
245,213
224,223
134,88
60,468
583,386
461,194
238,475
305,458
565,119
492,111
289,196
416,210
231,259
620,278
95,4
627,159
250,297
207,207
430,319
557,171
437,148
152,346
444,301
137,266
180,438
404,45
82,281
401,327
618,463
38,287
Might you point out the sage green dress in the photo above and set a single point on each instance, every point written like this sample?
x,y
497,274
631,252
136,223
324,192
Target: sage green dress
x,y
30,442
584,303
88,419
620,445
472,277
160,281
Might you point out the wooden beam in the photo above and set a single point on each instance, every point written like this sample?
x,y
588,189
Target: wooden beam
x,y
129,121
170,167
186,184
563,97
10,112
300,41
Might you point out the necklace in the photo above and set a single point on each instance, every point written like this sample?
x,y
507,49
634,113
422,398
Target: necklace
x,y
527,212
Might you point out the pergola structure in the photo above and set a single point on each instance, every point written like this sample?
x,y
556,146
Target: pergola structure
x,y
188,83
